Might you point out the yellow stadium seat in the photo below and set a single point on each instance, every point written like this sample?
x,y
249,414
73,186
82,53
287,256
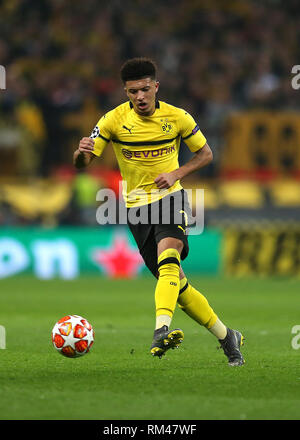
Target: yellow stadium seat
x,y
285,193
41,198
211,200
241,194
23,199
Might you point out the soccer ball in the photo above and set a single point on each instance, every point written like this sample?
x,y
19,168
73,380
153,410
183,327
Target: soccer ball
x,y
72,336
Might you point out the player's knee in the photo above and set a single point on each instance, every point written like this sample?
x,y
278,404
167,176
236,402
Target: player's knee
x,y
169,262
170,243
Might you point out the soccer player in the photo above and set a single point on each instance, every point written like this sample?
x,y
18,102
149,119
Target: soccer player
x,y
145,134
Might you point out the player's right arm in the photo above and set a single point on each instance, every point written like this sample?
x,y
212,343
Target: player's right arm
x,y
92,146
83,156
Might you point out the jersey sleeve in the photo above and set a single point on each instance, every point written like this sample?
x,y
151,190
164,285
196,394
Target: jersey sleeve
x,y
102,134
190,132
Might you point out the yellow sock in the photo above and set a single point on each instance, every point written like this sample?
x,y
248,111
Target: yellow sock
x,y
167,287
194,304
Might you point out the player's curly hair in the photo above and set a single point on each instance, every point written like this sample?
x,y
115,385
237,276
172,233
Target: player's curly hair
x,y
138,68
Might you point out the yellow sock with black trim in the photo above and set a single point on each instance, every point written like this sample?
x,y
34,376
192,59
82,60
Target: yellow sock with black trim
x,y
194,304
167,287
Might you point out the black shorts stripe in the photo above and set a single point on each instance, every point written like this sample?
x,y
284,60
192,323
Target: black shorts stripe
x,y
168,260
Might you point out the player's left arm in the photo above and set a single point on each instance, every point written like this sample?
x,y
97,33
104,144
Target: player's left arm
x,y
201,158
195,140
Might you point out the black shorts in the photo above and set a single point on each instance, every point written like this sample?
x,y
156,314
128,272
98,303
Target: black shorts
x,y
168,217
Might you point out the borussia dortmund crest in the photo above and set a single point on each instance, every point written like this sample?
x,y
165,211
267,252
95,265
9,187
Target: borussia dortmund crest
x,y
166,126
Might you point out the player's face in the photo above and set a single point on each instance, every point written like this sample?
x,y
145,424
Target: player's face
x,y
142,93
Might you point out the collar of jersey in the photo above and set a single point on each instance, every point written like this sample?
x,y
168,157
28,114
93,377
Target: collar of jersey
x,y
157,104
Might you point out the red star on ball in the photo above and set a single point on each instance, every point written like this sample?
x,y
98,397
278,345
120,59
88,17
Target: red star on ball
x,y
119,260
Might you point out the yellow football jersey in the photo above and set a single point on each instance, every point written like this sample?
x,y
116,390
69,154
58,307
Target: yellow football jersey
x,y
146,146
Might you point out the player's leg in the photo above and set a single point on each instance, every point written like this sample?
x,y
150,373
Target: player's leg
x,y
195,305
172,246
168,283
163,261
166,295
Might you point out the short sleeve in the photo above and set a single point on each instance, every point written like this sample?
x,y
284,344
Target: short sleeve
x,y
190,132
101,134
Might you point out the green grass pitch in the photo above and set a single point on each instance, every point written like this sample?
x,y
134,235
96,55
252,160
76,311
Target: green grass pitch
x,y
119,379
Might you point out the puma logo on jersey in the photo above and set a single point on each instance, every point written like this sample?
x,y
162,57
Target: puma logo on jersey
x,y
129,129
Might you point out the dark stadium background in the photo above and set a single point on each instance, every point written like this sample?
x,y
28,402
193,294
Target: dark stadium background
x,y
228,63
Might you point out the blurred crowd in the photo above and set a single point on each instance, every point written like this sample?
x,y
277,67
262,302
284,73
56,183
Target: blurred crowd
x,y
63,59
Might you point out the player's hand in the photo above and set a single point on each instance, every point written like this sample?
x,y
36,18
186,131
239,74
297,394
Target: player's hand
x,y
86,145
165,180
